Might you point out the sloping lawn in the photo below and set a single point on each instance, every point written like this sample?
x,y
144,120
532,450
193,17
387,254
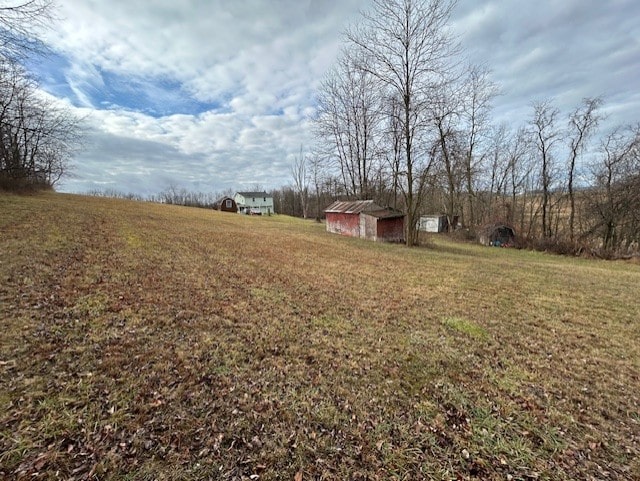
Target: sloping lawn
x,y
144,341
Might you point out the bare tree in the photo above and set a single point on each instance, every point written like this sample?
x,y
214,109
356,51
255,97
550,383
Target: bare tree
x,y
445,110
349,118
479,91
508,182
615,201
393,147
547,135
19,25
520,173
317,178
37,136
582,122
300,181
497,174
407,47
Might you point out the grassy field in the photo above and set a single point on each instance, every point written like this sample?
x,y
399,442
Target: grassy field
x,y
144,341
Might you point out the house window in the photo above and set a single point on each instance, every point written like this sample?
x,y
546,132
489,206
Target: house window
x,y
253,199
228,204
265,199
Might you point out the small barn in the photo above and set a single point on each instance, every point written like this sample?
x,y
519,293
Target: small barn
x,y
226,204
498,235
365,219
385,225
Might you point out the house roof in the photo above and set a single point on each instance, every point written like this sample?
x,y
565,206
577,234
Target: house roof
x,y
253,194
352,206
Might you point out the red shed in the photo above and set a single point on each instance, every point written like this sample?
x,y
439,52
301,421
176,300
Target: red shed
x,y
363,218
226,204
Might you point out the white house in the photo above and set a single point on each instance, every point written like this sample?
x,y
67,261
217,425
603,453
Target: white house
x,y
254,203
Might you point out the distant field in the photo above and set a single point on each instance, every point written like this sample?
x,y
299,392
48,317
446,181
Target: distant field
x,y
144,341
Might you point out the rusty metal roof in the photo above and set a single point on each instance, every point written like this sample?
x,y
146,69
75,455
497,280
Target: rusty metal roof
x,y
387,213
363,206
352,206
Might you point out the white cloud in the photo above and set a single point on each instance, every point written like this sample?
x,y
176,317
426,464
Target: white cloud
x,y
218,92
256,63
562,50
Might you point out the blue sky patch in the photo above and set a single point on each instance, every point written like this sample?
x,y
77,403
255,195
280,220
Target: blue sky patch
x,y
102,89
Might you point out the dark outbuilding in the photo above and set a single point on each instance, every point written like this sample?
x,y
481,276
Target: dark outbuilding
x,y
498,235
226,204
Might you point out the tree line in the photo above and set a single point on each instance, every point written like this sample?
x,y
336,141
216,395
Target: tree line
x,y
404,120
37,134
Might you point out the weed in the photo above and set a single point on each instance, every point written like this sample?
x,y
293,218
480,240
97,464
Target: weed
x,y
465,326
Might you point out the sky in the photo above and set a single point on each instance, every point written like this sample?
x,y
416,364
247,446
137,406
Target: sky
x,y
217,95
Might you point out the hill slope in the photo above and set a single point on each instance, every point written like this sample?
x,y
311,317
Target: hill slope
x,y
144,341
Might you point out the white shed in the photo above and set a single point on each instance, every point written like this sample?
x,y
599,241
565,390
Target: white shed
x,y
432,223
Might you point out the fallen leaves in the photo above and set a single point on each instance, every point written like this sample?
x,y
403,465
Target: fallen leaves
x,y
268,350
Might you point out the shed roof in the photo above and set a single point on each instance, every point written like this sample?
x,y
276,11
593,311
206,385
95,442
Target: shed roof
x,y
387,213
352,206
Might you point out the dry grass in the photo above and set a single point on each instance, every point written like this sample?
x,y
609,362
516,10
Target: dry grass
x,y
144,341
